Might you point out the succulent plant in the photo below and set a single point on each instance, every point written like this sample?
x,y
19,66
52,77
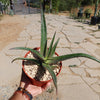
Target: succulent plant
x,y
45,57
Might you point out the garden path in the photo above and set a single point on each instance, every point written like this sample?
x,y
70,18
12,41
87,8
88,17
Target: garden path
x,y
76,83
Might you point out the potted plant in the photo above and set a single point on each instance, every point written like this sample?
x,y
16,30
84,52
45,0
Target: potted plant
x,y
80,13
43,64
94,19
88,12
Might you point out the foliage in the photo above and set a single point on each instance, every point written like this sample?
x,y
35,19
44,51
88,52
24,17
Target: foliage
x,y
33,3
73,15
45,57
87,2
55,6
6,3
69,4
63,5
47,8
88,10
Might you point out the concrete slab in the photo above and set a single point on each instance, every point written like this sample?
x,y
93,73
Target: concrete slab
x,y
94,73
9,52
92,64
97,34
71,62
33,43
88,46
79,71
77,92
64,79
7,70
96,87
90,80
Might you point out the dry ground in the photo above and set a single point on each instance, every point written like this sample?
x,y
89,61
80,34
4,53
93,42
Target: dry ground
x,y
10,28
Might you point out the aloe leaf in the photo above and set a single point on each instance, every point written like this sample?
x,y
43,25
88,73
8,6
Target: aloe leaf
x,y
50,48
45,50
54,48
29,59
28,49
53,67
43,32
54,78
69,56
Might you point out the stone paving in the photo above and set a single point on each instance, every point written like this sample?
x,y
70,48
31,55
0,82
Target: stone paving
x,y
76,83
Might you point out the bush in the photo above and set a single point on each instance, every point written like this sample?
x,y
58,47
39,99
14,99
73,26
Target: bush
x,y
6,3
88,10
63,5
34,5
87,2
55,6
47,8
69,4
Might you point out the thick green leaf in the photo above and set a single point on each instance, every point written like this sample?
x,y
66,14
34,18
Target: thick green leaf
x,y
48,67
43,32
50,48
45,50
29,59
54,48
28,49
69,56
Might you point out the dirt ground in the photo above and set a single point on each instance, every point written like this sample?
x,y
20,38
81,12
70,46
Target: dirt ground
x,y
10,28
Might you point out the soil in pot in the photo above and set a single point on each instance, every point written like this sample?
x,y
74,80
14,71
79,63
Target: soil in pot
x,y
38,72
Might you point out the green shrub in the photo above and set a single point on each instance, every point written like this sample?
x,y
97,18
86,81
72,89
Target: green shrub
x,y
63,5
87,2
34,5
47,8
88,10
6,3
69,4
55,6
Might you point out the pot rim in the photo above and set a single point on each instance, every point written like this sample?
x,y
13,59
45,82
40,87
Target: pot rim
x,y
37,48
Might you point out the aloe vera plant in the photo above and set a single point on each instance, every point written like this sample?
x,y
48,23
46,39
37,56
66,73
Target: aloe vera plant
x,y
45,56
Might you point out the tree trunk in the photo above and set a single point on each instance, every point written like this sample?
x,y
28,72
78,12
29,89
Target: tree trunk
x,y
96,7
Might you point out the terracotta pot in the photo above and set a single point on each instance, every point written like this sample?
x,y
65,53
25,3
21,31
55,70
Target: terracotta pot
x,y
35,82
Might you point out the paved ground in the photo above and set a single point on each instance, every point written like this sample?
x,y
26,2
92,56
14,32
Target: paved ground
x,y
76,83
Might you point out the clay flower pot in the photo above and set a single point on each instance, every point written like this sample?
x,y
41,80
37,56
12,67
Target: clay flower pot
x,y
34,81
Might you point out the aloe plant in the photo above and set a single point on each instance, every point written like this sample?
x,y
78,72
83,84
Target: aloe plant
x,y
46,57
